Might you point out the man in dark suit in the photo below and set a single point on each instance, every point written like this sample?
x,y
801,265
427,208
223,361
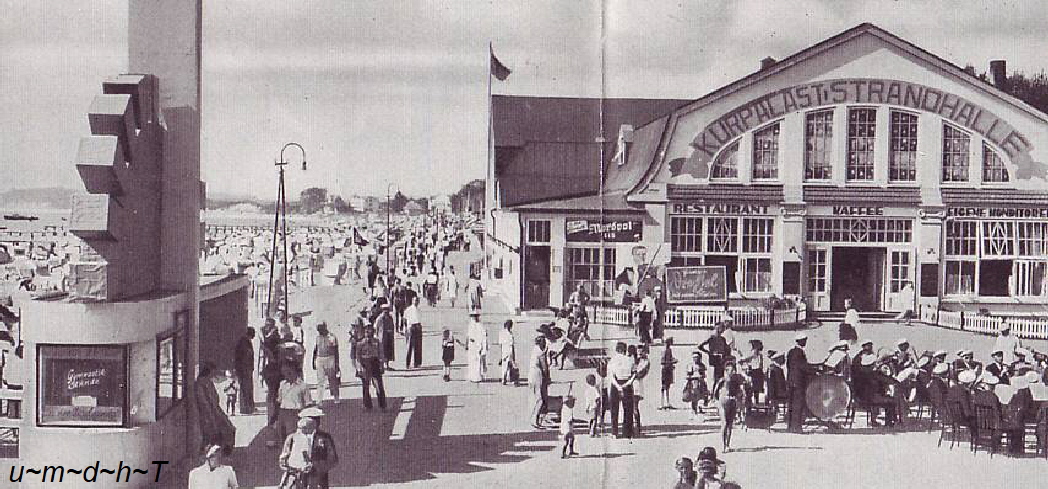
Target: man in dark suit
x,y
798,374
244,363
961,395
998,368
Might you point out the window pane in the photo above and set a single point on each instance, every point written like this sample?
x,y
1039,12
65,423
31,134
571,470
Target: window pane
x,y
818,144
994,170
82,385
723,235
902,155
862,126
960,277
766,152
727,163
954,154
686,234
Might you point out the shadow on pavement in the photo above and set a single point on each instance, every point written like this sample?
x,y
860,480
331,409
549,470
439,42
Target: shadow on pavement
x,y
765,449
368,456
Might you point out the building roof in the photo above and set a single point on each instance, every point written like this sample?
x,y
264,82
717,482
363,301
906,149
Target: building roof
x,y
613,204
945,67
547,147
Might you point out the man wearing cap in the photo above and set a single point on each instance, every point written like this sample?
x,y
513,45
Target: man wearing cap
x,y
998,367
871,385
213,474
798,373
905,357
837,359
708,466
1007,343
323,453
965,361
1022,364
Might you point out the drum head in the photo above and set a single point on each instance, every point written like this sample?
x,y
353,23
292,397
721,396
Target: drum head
x,y
828,396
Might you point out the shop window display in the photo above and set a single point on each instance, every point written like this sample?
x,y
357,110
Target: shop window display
x,y
82,385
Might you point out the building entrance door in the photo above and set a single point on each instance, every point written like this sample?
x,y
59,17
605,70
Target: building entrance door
x,y
536,277
858,273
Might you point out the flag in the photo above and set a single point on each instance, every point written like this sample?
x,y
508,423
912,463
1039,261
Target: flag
x,y
499,70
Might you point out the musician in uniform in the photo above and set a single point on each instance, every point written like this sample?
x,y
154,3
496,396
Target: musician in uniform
x,y
778,389
905,357
961,395
998,368
871,386
964,362
798,374
837,360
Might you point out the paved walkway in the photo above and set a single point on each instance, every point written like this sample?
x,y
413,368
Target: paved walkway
x,y
459,434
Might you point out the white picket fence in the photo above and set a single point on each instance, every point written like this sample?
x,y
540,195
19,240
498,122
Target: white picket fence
x,y
1023,327
698,317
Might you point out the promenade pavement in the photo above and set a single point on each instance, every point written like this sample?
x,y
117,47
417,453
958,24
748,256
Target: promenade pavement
x,y
459,434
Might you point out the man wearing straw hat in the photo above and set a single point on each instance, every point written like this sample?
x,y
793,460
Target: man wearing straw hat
x,y
213,474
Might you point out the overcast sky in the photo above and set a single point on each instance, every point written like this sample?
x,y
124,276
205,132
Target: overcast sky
x,y
382,91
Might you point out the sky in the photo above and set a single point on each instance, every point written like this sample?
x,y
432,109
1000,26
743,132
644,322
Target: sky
x,y
383,92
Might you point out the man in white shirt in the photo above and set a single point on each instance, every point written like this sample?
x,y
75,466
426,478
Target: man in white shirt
x,y
212,474
1007,343
620,375
508,360
414,332
645,315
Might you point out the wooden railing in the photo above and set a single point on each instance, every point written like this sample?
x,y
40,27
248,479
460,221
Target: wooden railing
x,y
1023,327
705,317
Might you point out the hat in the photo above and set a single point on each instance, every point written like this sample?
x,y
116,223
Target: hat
x,y
997,350
1023,352
304,422
940,353
709,454
311,412
989,379
940,369
965,353
211,451
923,361
902,341
907,373
800,336
866,342
966,377
840,344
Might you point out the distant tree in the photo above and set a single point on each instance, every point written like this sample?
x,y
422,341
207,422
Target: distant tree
x,y
1032,90
312,200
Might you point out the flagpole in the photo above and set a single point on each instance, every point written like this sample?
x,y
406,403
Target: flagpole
x,y
488,215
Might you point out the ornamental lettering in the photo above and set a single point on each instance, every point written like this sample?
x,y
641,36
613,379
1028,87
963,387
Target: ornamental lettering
x,y
773,105
732,209
998,212
845,210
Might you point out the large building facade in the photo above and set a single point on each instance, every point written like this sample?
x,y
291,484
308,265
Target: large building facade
x,y
848,170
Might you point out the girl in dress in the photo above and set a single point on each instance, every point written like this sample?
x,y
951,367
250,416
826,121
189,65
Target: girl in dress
x,y
447,347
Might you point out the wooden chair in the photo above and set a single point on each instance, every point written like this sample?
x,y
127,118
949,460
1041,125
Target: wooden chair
x,y
990,428
953,423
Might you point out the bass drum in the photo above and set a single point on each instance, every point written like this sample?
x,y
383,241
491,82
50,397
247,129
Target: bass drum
x,y
828,396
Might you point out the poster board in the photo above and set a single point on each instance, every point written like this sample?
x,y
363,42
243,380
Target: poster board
x,y
705,284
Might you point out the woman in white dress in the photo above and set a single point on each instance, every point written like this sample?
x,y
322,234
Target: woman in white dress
x,y
477,347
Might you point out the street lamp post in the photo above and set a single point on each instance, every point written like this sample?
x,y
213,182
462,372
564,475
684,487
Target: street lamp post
x,y
280,228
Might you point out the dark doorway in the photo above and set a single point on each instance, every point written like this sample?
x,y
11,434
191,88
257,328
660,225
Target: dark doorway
x,y
858,273
536,277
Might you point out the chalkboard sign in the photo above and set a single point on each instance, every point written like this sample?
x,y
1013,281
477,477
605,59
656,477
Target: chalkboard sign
x,y
696,284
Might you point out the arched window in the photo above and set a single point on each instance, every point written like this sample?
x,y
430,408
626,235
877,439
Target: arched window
x,y
726,165
766,153
994,170
955,143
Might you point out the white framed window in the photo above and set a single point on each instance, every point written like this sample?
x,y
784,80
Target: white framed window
x,y
539,231
818,145
998,239
1030,278
900,273
686,234
994,169
583,267
726,166
960,277
961,238
756,235
756,274
1032,238
817,271
862,129
955,157
902,149
766,153
859,230
723,235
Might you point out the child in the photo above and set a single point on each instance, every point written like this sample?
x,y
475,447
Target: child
x,y
231,388
566,419
594,405
667,374
696,387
